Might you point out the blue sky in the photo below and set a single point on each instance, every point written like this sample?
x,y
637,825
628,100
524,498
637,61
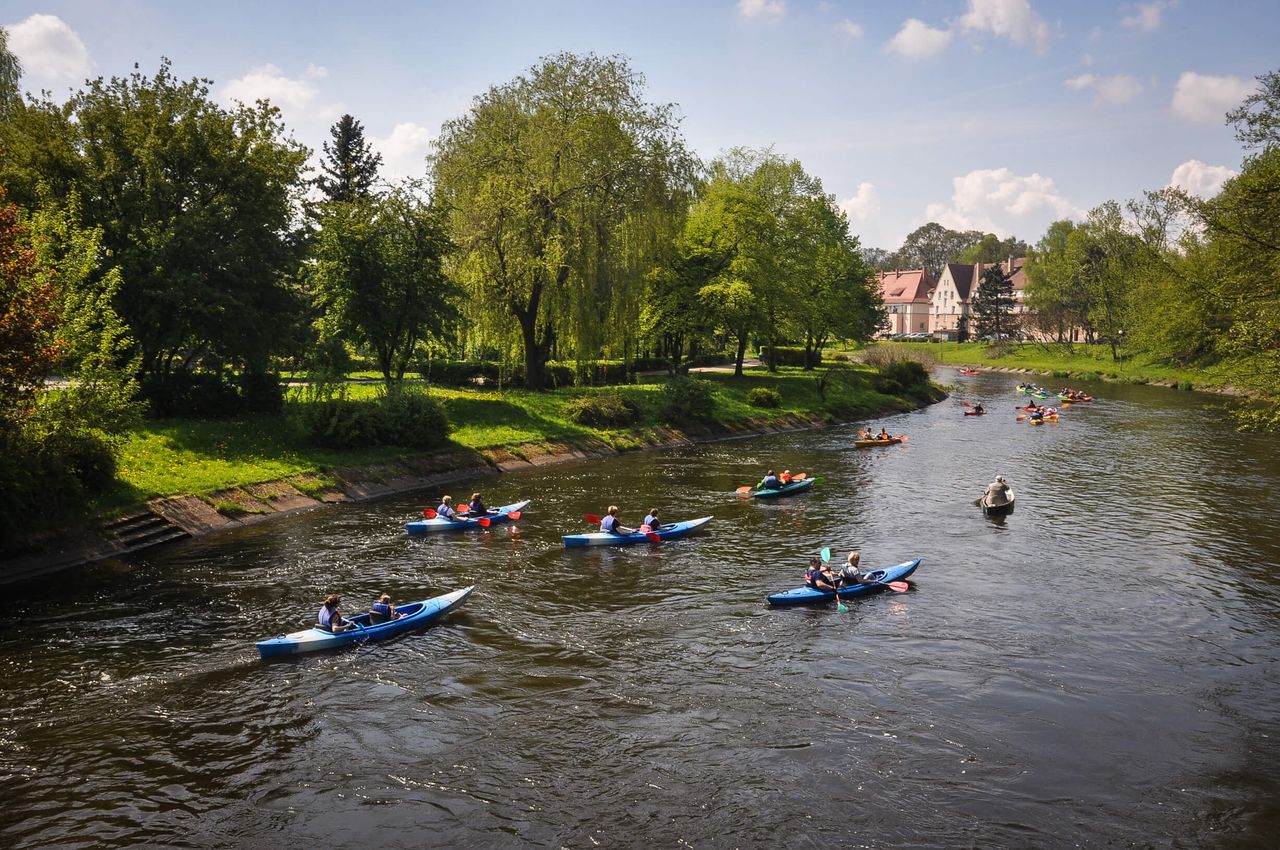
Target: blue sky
x,y
994,114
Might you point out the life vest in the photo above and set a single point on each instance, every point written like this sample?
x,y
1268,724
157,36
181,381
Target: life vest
x,y
609,523
445,511
325,617
477,507
381,609
652,521
771,482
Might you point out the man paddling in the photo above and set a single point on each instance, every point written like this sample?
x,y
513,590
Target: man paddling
x,y
819,577
769,482
997,493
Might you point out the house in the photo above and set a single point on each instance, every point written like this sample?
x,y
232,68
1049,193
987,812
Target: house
x,y
906,294
950,300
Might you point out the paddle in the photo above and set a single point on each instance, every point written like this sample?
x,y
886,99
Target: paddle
x,y
484,522
513,516
896,586
428,513
826,559
593,519
746,488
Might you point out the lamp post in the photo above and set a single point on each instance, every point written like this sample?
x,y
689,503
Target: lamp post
x,y
1120,350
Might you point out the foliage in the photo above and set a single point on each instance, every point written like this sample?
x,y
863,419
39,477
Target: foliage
x,y
378,276
30,317
684,400
931,246
10,75
992,249
604,410
993,305
401,416
886,354
764,397
555,181
350,164
409,416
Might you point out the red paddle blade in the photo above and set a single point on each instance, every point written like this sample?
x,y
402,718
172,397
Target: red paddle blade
x,y
902,437
746,488
802,476
654,537
899,586
514,515
484,522
592,518
428,513
966,404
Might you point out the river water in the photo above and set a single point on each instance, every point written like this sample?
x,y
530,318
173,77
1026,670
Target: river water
x,y
1099,669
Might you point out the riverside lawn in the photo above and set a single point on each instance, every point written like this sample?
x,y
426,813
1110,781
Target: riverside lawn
x,y
1080,361
173,457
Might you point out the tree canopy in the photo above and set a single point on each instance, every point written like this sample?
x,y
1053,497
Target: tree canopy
x,y
350,164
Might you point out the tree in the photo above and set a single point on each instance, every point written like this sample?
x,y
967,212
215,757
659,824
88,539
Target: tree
x,y
1054,294
10,75
379,277
992,249
350,164
30,318
548,178
931,246
993,305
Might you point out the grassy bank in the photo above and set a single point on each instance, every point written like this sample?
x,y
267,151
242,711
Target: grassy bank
x,y
194,457
1091,362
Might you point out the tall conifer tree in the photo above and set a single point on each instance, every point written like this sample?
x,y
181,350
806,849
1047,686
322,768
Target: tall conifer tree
x,y
350,164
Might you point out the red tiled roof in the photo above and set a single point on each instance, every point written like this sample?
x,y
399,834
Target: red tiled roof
x,y
905,286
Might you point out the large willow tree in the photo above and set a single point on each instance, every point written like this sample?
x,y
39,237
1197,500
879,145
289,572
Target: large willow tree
x,y
557,183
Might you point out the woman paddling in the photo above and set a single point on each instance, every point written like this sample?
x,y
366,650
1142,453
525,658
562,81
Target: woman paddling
x,y
611,524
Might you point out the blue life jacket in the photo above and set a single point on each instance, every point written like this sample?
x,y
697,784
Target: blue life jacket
x,y
609,523
382,609
771,482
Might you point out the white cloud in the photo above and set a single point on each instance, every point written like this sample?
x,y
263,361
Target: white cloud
x,y
1148,16
850,28
1117,89
49,49
404,152
762,8
999,201
863,205
1201,179
1011,19
918,40
1207,99
297,97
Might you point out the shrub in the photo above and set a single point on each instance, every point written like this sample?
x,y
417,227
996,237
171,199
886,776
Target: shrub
x,y
786,356
195,394
764,397
883,355
261,392
908,373
408,416
605,410
1090,376
840,358
714,358
87,455
1060,373
685,399
1186,385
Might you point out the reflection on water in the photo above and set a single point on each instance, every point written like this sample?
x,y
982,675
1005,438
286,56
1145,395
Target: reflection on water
x,y
1097,668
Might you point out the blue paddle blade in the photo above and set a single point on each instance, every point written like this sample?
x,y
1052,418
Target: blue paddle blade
x,y
826,554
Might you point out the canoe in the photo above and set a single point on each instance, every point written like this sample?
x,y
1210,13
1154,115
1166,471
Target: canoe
x,y
975,413
423,526
970,372
670,531
863,444
788,490
418,615
1073,400
1053,417
996,510
807,595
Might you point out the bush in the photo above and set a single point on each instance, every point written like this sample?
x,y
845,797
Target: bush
x,y
786,356
88,456
1060,373
764,397
333,420
1186,385
840,358
195,394
684,399
883,355
714,358
606,410
408,416
908,373
261,392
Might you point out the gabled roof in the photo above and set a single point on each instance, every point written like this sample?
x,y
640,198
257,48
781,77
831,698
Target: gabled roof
x,y
905,286
962,275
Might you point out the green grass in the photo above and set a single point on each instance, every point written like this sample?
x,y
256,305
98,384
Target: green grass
x,y
194,457
1078,360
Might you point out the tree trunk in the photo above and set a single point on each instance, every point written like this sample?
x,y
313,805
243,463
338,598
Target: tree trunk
x,y
743,336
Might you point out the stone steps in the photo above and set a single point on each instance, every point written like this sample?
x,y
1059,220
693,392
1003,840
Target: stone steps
x,y
140,530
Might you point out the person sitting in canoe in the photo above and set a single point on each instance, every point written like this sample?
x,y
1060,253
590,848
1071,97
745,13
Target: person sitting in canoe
x,y
851,575
382,611
883,435
610,522
1037,414
651,521
446,510
978,408
819,577
785,477
477,507
997,493
330,617
769,482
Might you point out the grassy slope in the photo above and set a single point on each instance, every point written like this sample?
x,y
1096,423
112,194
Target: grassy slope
x,y
178,457
1079,361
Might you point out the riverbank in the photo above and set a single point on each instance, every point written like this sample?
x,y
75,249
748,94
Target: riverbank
x,y
186,478
1082,362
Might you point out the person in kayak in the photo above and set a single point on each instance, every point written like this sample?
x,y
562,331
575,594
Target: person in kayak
x,y
978,408
883,435
819,577
610,523
383,611
330,616
651,520
446,510
769,482
851,575
785,477
997,493
477,507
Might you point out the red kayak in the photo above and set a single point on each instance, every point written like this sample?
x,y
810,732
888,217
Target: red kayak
x,y
975,413
970,372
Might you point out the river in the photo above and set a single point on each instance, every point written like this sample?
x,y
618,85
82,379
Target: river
x,y
1098,669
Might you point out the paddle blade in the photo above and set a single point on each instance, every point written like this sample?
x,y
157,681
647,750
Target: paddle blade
x,y
841,607
898,586
513,516
484,522
902,437
966,404
744,489
819,480
1021,416
654,537
826,554
802,476
428,513
593,519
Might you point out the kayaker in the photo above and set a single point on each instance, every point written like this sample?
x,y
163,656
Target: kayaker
x,y
819,577
446,511
382,611
978,408
651,520
769,482
477,507
610,523
997,493
330,617
883,435
785,477
851,575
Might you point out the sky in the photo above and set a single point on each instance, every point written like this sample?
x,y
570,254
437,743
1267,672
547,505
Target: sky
x,y
998,115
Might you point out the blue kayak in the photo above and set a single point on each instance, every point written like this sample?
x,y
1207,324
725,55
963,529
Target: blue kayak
x,y
416,616
788,490
422,526
608,538
807,595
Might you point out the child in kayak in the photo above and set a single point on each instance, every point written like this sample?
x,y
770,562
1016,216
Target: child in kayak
x,y
610,522
382,611
330,616
651,521
819,577
477,506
